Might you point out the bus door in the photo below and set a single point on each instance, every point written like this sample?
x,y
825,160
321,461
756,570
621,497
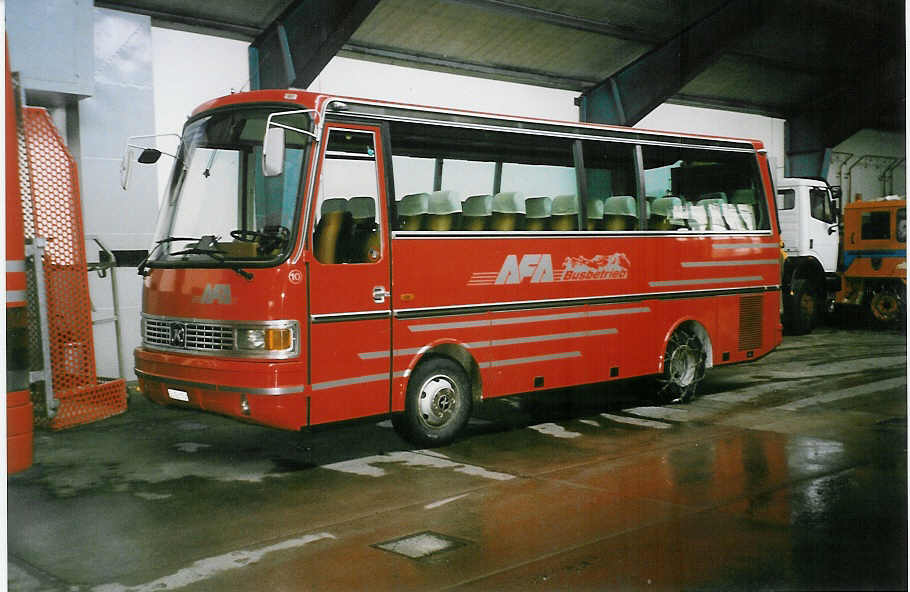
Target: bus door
x,y
349,279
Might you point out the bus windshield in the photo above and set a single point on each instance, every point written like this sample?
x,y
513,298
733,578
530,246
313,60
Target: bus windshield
x,y
219,206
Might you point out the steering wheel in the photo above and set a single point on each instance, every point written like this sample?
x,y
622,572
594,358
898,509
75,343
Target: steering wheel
x,y
246,236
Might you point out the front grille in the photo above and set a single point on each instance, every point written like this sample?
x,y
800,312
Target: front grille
x,y
187,335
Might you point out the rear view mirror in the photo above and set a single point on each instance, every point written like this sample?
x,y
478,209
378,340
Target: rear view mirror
x,y
273,152
149,156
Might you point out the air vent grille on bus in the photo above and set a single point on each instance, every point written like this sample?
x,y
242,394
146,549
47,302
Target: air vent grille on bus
x,y
750,322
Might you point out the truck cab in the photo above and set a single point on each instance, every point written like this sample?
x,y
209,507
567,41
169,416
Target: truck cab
x,y
808,211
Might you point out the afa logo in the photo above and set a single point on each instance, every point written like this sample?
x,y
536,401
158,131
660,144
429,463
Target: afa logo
x,y
538,268
215,294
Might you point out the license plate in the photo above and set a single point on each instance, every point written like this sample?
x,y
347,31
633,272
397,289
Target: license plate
x,y
178,395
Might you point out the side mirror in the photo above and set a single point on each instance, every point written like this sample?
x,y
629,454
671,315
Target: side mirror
x,y
149,156
836,195
273,152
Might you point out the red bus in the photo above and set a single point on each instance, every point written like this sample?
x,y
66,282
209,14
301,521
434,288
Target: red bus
x,y
322,259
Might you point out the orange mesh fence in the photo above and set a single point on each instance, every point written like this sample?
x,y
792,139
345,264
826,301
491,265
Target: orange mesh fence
x,y
56,211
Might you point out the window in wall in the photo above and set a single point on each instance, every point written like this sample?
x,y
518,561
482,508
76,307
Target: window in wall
x,y
346,228
820,205
786,199
703,190
610,172
482,179
876,225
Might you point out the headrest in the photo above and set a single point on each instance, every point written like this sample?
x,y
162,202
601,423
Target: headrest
x,y
362,208
565,204
443,202
663,206
477,205
716,197
510,202
743,196
621,205
333,204
594,208
414,204
538,207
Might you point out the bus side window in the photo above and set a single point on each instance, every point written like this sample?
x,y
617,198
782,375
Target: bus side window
x,y
709,190
609,176
346,229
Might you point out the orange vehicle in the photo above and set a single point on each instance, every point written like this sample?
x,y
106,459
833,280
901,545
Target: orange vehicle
x,y
875,258
322,259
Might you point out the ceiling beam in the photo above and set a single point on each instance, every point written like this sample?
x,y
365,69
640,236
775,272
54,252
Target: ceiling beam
x,y
634,91
186,22
294,49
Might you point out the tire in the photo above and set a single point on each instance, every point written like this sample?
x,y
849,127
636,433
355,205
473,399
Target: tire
x,y
437,403
886,307
684,367
801,307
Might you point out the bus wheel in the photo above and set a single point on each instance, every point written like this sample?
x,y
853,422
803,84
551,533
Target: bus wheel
x,y
684,367
438,403
886,306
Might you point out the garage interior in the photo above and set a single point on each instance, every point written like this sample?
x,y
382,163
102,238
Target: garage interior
x,y
789,472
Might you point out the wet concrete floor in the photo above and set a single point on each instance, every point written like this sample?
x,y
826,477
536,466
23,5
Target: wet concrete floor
x,y
787,473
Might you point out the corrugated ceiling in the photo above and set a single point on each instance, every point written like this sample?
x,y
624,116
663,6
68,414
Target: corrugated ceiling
x,y
809,49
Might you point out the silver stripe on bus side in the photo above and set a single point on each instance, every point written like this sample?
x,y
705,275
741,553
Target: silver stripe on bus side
x,y
745,246
728,263
16,296
494,343
318,386
15,266
747,278
527,319
530,359
365,315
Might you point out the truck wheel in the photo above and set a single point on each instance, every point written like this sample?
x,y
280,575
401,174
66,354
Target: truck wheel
x,y
801,307
437,404
684,367
887,306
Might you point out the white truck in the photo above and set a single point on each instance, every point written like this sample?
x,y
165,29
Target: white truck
x,y
808,210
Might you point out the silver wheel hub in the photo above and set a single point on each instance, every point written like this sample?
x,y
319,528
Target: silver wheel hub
x,y
683,365
437,402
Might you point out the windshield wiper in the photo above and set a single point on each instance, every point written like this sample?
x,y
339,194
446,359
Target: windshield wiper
x,y
144,263
204,246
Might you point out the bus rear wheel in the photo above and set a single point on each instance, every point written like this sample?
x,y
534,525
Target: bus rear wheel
x,y
684,367
437,404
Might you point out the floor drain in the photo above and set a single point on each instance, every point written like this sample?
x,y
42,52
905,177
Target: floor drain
x,y
421,545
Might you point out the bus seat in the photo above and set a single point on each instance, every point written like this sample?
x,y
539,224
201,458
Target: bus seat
x,y
662,213
594,213
715,216
537,213
363,244
442,209
412,209
333,222
620,213
716,197
508,211
564,213
476,212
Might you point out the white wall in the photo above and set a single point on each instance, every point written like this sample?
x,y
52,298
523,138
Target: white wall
x,y
858,163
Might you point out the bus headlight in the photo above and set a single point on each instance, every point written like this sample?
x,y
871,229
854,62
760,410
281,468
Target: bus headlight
x,y
266,339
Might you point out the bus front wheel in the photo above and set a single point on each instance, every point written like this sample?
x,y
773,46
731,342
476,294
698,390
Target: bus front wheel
x,y
437,404
684,367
